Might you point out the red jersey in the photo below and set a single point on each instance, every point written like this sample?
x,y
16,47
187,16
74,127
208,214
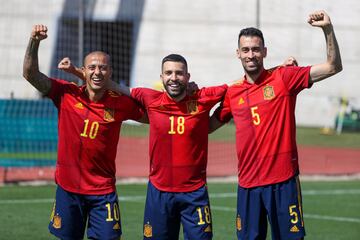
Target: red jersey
x,y
264,116
178,144
88,136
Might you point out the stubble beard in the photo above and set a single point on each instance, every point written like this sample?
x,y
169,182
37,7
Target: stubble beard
x,y
175,94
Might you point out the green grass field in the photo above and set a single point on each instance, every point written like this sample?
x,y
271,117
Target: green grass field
x,y
331,210
305,136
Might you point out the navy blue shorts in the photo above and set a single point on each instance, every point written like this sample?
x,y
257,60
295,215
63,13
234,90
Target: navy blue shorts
x,y
165,211
280,203
72,211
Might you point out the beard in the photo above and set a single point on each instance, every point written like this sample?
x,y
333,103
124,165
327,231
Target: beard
x,y
175,92
254,69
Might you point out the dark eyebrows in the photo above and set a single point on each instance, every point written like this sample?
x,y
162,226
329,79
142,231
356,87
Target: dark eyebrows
x,y
101,66
176,71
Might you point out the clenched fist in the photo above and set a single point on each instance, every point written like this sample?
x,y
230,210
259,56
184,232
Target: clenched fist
x,y
66,65
290,61
39,32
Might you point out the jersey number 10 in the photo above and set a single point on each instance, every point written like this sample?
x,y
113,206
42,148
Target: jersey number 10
x,y
92,132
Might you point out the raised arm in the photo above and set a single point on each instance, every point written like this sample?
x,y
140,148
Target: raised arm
x,y
31,62
66,65
333,63
118,88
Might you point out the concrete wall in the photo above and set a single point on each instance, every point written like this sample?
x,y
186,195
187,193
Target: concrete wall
x,y
16,20
205,32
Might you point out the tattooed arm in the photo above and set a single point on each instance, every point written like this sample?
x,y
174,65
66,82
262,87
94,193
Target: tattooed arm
x,y
333,63
31,63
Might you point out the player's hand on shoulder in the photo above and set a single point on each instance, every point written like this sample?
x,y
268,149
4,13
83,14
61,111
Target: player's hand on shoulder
x,y
39,32
290,61
192,88
66,65
319,19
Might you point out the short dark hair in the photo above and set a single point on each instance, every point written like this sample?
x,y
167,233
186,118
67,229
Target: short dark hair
x,y
251,32
101,53
174,58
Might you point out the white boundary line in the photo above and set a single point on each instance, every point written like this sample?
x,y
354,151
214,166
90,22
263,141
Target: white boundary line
x,y
304,193
141,198
212,195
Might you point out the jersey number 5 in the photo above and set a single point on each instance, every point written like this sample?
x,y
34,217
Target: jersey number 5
x,y
180,125
255,116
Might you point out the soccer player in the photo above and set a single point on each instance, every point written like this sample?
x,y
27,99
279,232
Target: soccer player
x,y
89,121
179,125
263,105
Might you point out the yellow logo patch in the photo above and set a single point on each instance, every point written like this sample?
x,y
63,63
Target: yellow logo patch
x,y
238,223
147,230
192,107
116,226
208,229
269,92
161,107
79,105
294,229
241,101
57,221
109,114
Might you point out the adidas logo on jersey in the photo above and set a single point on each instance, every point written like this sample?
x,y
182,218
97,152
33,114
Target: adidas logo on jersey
x,y
208,229
79,105
116,226
241,101
294,229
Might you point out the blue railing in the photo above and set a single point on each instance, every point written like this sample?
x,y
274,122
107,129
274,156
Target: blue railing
x,y
28,133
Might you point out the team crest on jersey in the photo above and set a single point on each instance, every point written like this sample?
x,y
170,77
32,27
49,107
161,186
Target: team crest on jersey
x,y
79,105
294,229
109,114
192,107
268,92
147,230
238,223
57,222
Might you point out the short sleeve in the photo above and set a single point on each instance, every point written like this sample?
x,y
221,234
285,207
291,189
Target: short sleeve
x,y
57,90
138,95
223,113
217,92
296,78
135,110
